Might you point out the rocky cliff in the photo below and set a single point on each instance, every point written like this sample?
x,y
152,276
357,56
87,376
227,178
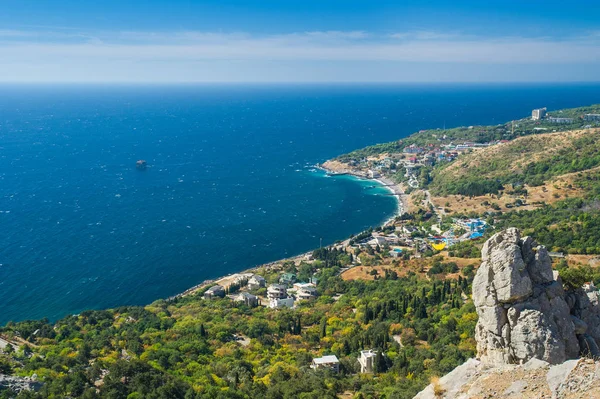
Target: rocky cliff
x,y
528,326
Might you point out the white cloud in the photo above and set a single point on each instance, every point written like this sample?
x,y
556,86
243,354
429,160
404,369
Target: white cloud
x,y
96,54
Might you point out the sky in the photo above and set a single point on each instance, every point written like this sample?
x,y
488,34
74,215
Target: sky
x,y
162,41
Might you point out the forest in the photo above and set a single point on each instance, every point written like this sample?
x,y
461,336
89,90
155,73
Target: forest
x,y
190,348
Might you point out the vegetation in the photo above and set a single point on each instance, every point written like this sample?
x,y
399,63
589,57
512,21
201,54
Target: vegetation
x,y
187,348
530,161
478,134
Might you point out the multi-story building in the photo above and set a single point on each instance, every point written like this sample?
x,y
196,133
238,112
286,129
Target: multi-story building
x,y
367,361
559,120
591,117
277,291
538,114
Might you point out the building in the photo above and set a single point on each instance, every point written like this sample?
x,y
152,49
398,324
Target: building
x,y
591,117
277,291
377,240
215,291
552,119
367,361
287,278
256,282
538,114
330,362
396,253
299,286
409,229
281,303
413,149
247,298
373,174
306,293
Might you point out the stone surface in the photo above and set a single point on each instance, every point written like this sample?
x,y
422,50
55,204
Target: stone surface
x,y
18,384
528,329
522,309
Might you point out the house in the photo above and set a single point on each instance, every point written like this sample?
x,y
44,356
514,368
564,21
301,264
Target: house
x,y
306,293
281,303
373,174
277,291
216,291
330,362
247,298
538,114
392,239
377,240
409,229
299,286
367,361
256,282
413,149
287,278
395,253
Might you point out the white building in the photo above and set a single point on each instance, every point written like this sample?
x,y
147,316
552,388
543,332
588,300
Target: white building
x,y
373,174
559,120
377,240
281,303
591,117
367,361
306,293
256,282
538,114
330,362
277,291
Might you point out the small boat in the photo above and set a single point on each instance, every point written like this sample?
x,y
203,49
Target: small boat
x,y
141,164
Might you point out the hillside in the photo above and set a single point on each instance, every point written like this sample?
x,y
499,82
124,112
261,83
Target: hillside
x,y
191,347
531,160
509,130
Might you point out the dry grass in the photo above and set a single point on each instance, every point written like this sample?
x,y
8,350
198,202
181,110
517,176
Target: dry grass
x,y
438,389
518,152
553,191
420,266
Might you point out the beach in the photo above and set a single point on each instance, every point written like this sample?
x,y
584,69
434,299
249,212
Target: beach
x,y
394,189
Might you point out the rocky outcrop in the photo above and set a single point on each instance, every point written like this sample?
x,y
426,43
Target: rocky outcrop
x,y
521,305
528,329
573,379
18,384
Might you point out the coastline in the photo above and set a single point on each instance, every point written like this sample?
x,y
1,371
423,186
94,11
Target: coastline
x,y
394,189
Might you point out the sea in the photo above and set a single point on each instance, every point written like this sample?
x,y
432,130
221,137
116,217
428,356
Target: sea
x,y
231,181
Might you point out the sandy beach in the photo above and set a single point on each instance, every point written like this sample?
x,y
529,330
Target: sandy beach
x,y
339,169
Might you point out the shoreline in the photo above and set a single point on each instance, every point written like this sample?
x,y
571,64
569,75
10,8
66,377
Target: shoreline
x,y
393,188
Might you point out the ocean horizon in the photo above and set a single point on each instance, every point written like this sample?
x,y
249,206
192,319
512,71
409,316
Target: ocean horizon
x,y
231,181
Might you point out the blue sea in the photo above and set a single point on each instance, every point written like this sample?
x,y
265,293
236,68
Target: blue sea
x,y
230,182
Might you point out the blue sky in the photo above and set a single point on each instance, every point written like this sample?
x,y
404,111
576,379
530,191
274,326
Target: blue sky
x,y
298,41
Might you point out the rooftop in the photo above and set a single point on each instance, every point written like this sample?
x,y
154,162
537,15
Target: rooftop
x,y
326,359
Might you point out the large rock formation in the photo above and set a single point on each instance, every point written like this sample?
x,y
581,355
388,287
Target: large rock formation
x,y
527,330
522,309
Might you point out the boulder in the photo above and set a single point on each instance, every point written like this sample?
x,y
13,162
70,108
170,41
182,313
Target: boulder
x,y
521,306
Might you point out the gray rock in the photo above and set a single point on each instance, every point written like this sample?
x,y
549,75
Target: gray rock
x,y
515,388
521,306
558,374
453,382
18,384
